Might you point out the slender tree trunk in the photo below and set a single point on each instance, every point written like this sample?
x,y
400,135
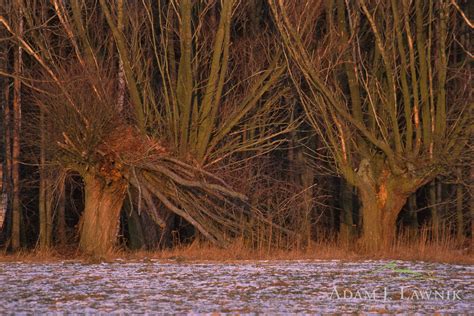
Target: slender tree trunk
x,y
61,215
434,207
307,182
16,204
45,201
412,214
459,208
165,234
99,223
135,231
3,150
471,206
3,141
43,243
3,199
7,170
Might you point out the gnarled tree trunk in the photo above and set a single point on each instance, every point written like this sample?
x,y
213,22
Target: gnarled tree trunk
x,y
380,217
100,221
382,198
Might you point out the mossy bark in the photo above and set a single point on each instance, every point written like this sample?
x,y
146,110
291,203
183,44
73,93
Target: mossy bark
x,y
100,222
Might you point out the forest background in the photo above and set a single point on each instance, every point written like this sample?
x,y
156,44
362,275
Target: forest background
x,y
272,125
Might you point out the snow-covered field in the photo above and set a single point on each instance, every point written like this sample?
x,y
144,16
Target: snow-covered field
x,y
242,287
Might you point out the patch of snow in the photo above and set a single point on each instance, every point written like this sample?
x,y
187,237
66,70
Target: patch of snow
x,y
243,287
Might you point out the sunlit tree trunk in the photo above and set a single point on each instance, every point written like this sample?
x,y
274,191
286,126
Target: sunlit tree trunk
x,y
396,58
382,197
103,201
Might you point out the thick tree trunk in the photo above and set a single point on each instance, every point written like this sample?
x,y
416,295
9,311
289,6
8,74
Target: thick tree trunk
x,y
379,222
381,204
100,221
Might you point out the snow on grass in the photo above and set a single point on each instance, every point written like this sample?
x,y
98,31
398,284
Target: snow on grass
x,y
244,287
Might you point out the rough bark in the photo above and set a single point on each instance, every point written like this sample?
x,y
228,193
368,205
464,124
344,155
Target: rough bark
x,y
382,197
379,221
100,221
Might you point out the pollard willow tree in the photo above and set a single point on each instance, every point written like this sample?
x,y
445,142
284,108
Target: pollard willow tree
x,y
376,79
185,106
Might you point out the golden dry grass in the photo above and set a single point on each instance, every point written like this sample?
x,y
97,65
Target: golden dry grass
x,y
431,252
446,250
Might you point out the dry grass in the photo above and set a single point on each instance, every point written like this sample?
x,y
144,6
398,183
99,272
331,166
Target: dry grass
x,y
445,250
41,255
429,251
238,251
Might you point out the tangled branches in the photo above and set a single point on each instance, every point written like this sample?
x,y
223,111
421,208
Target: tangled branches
x,y
99,143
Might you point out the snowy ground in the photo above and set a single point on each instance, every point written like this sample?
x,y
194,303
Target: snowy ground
x,y
244,287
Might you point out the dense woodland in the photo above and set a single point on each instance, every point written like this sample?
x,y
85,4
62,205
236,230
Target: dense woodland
x,y
149,124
